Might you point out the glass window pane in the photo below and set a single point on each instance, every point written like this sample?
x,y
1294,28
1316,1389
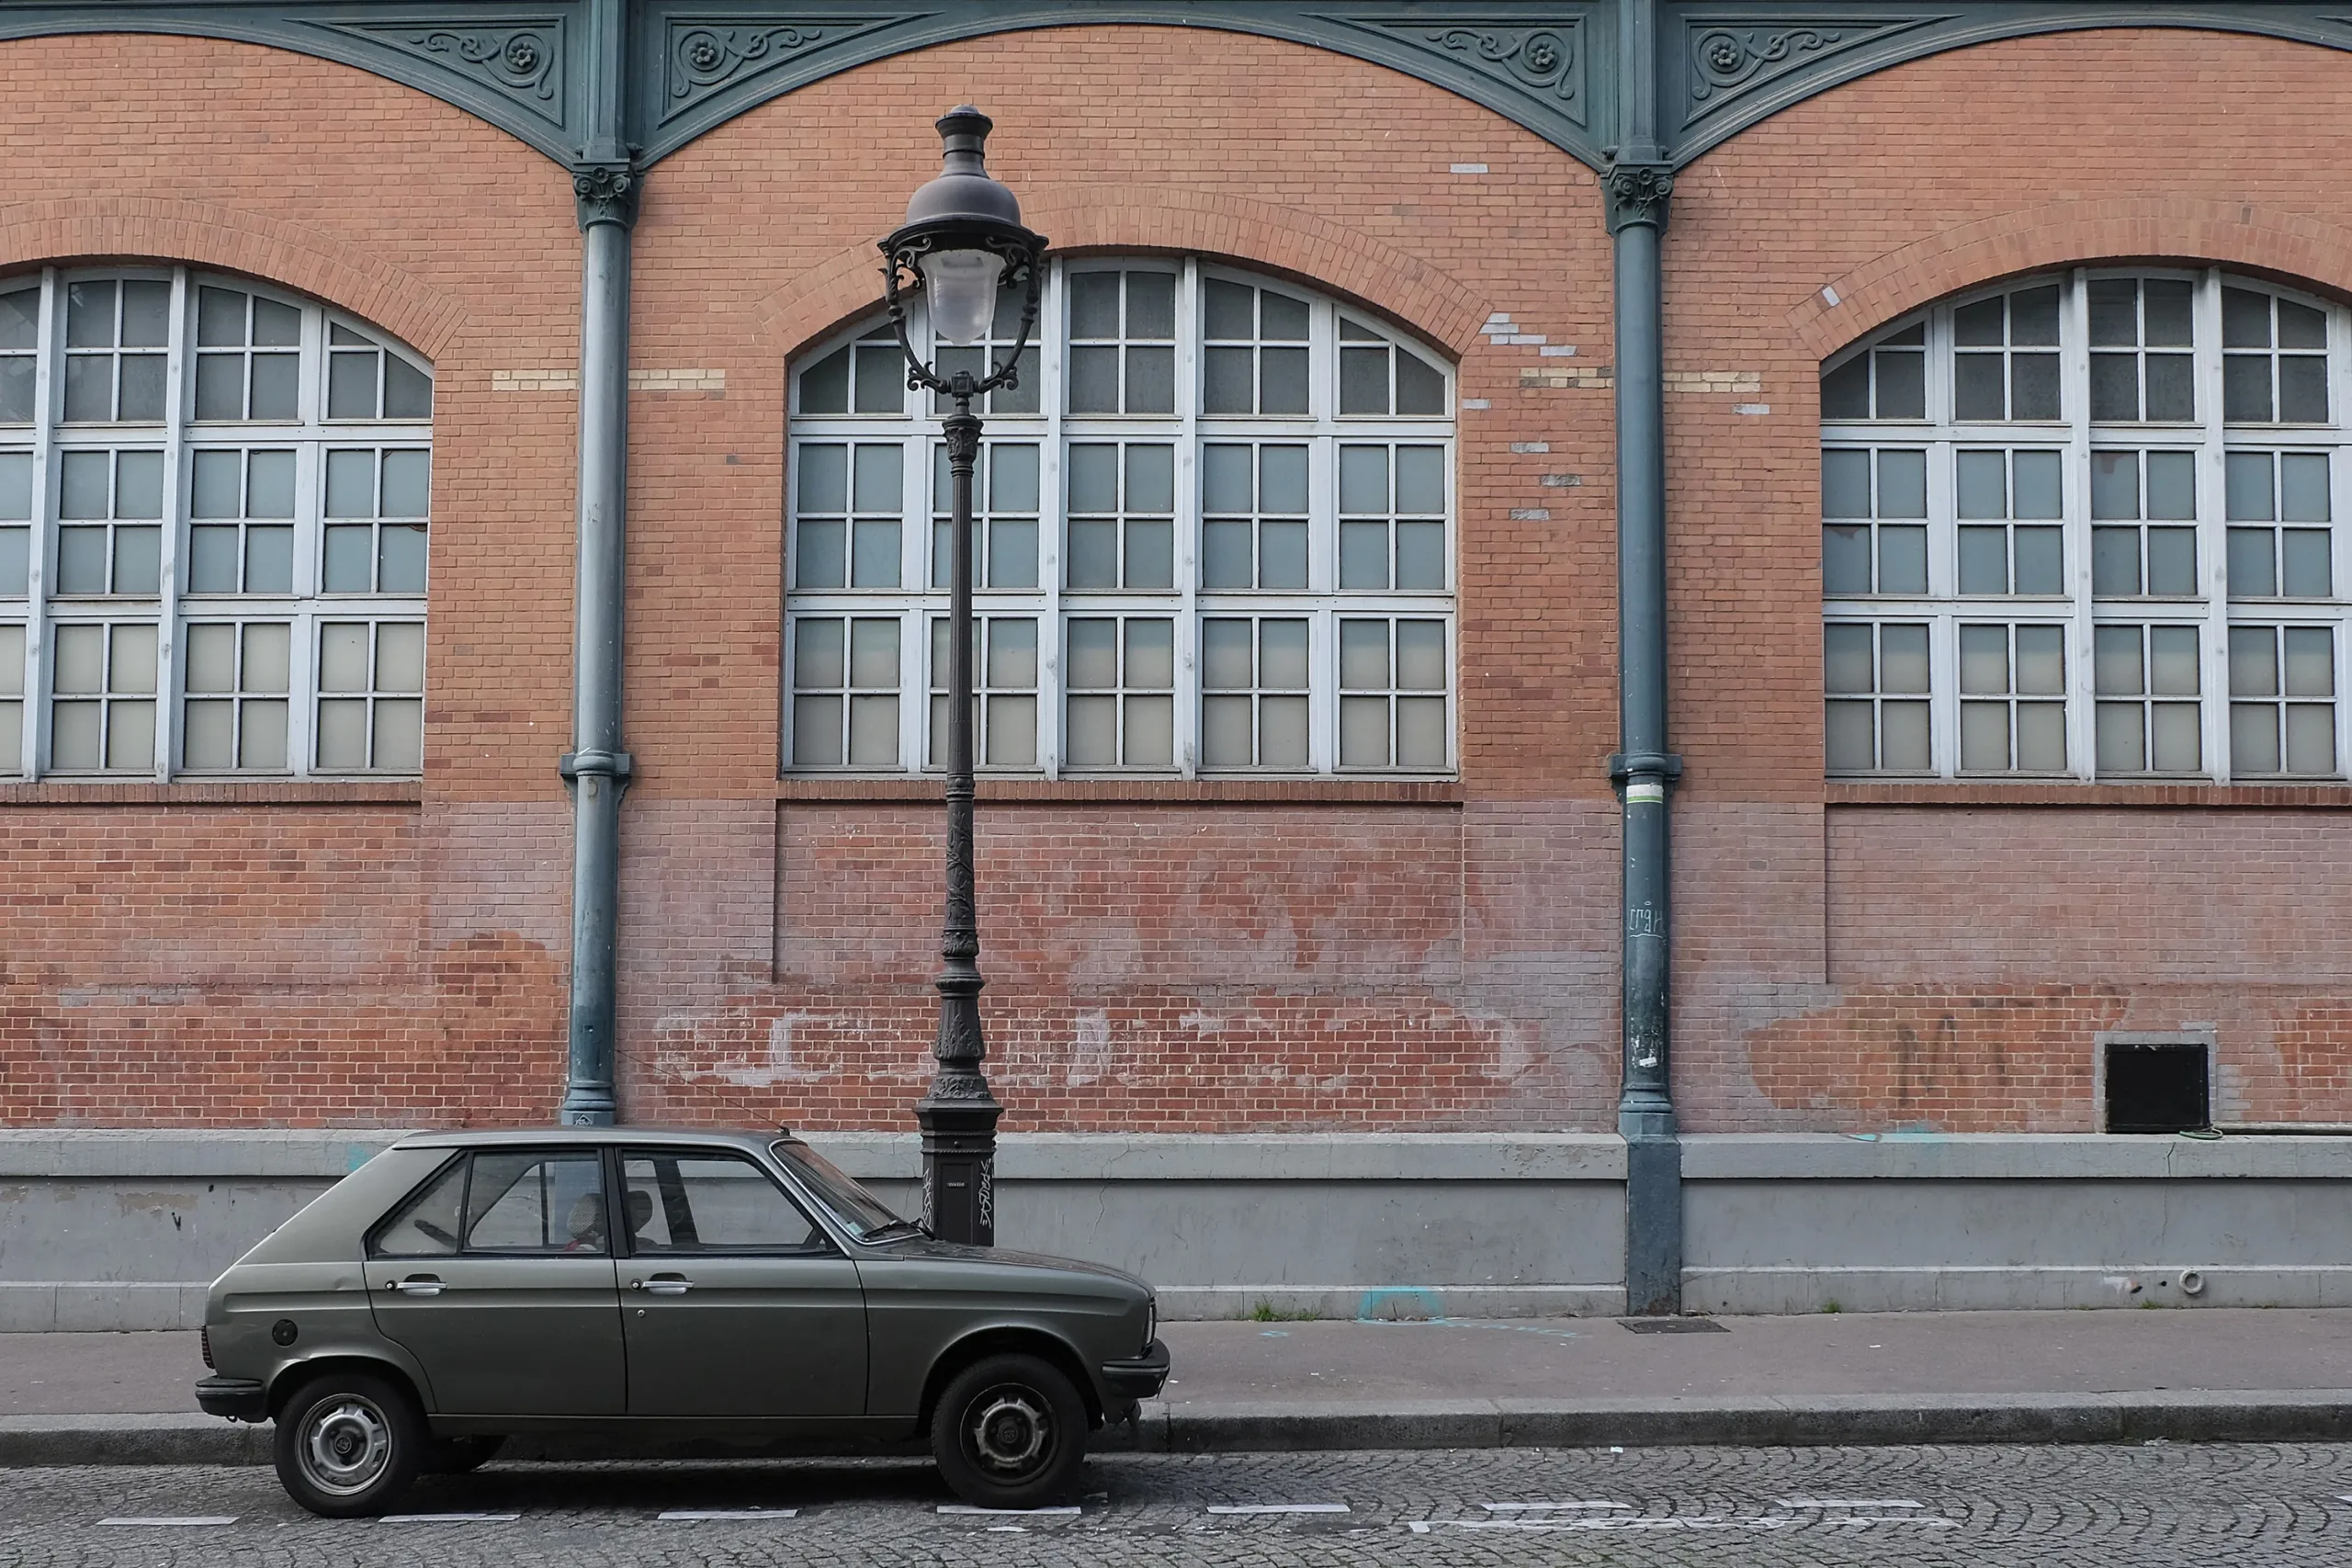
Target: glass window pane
x,y
873,653
351,484
2248,487
1094,380
2041,737
881,384
824,386
875,554
1420,656
817,731
2116,670
2039,561
2179,745
89,388
213,566
1093,654
1226,375
146,313
138,560
20,319
1228,732
1846,559
1226,479
2033,386
2121,742
2041,660
823,478
1978,324
400,657
1091,732
1364,481
1282,478
1227,555
1151,380
220,385
2115,561
2253,738
268,663
1094,304
1151,477
1363,656
2172,660
407,484
874,731
1903,740
1149,732
1848,738
2303,389
343,656
2310,737
16,564
1902,559
1363,554
1421,732
131,662
351,385
1151,654
2252,566
1363,732
1012,653
2033,315
2172,484
1094,478
1420,388
2167,307
2253,662
1847,664
89,314
1282,380
1985,736
1282,732
820,557
15,485
208,736
2172,563
408,391
2303,487
81,560
76,733
218,485
1845,484
1151,304
1902,658
881,479
399,736
2246,388
400,565
1985,659
1281,654
2036,477
1421,555
211,658
2115,312
1420,479
2115,387
2310,661
1984,560
1982,483
130,737
275,384
1281,555
2304,569
1011,731
349,556
1845,391
1281,318
1093,553
1012,552
2245,318
2115,484
2299,326
2172,395
1902,386
1364,380
139,484
1902,484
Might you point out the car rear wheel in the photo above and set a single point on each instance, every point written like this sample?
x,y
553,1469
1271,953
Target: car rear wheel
x,y
349,1443
1010,1433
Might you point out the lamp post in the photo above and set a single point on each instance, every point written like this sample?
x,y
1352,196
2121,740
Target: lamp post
x,y
962,241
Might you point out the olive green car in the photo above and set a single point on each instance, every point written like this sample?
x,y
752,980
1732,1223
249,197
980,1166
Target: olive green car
x,y
662,1285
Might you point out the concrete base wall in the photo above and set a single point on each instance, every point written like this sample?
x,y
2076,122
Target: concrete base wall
x,y
119,1229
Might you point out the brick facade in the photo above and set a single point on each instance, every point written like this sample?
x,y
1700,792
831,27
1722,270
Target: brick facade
x,y
1213,956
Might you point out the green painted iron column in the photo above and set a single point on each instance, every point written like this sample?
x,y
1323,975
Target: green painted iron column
x,y
605,183
1637,184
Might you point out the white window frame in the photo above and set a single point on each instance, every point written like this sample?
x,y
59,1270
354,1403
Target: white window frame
x,y
1322,430
310,435
2213,439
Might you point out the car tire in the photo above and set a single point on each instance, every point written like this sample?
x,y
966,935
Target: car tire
x,y
457,1456
1010,1432
349,1443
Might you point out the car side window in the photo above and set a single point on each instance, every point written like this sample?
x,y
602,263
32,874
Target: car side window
x,y
536,1200
428,1226
710,1203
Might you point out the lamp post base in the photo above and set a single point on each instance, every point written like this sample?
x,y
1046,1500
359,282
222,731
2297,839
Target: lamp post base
x,y
959,1166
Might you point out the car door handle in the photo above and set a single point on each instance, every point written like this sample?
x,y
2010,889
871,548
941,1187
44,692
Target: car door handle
x,y
417,1285
663,1285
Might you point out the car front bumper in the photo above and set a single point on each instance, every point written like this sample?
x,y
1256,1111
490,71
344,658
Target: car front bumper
x,y
1137,1377
239,1399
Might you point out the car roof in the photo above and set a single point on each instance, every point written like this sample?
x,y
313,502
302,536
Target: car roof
x,y
591,1138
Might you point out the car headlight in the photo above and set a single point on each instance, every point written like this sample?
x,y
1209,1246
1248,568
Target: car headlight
x,y
1150,1322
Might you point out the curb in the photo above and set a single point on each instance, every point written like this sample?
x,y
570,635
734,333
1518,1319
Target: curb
x,y
1861,1420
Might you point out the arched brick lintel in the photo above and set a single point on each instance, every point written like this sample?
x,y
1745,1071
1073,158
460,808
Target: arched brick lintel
x,y
2068,233
1321,254
292,255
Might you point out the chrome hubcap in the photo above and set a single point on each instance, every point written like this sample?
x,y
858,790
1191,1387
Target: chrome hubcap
x,y
345,1444
1009,1430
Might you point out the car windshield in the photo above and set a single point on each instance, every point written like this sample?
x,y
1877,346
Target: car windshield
x,y
860,1213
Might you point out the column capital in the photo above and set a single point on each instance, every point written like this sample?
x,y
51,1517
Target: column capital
x,y
1636,192
607,193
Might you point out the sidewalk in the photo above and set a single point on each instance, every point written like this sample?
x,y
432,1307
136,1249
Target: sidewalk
x,y
2189,1375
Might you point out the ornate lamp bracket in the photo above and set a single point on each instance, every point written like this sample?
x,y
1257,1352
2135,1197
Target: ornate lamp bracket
x,y
902,255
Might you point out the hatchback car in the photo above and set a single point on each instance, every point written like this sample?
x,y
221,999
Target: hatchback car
x,y
656,1285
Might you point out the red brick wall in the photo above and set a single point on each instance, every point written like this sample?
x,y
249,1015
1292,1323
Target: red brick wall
x,y
1870,967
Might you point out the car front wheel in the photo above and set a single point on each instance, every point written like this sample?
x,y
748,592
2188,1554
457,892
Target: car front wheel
x,y
1010,1433
349,1443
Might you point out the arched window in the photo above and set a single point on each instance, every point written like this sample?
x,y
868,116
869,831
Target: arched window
x,y
1214,534
213,506
2083,526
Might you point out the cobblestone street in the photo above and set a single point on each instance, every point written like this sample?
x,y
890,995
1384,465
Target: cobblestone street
x,y
2254,1506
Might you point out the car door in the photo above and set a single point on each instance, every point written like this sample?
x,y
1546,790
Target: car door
x,y
735,1303
499,1278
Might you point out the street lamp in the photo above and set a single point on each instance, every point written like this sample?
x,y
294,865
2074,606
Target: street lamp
x,y
962,241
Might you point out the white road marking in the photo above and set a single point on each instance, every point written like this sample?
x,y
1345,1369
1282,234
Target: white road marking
x,y
1848,1502
163,1519
449,1519
1278,1507
967,1508
1007,1529
1544,1507
733,1514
